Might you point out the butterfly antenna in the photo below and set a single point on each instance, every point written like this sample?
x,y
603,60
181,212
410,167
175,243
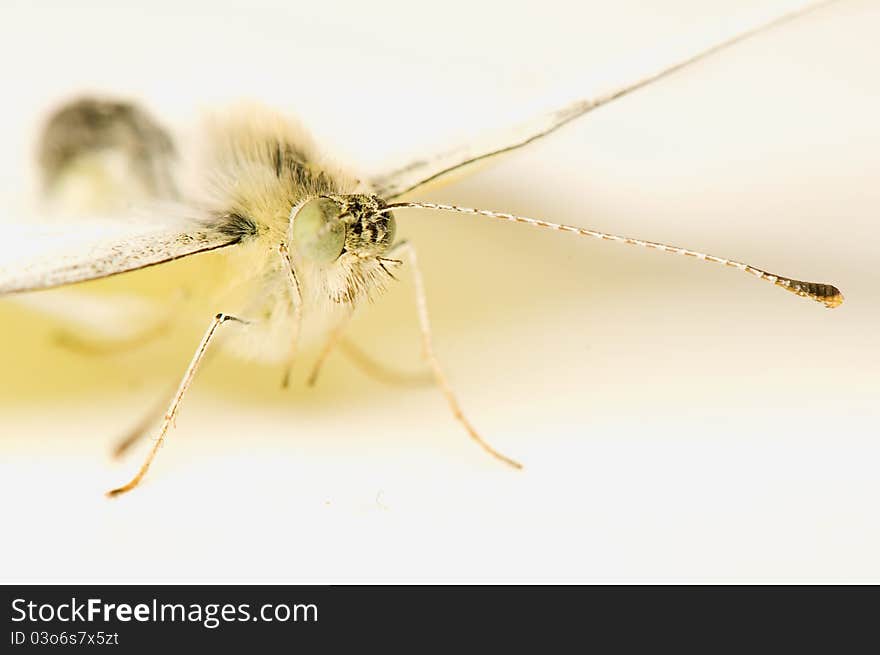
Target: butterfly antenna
x,y
820,292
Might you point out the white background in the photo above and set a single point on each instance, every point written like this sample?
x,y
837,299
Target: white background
x,y
678,421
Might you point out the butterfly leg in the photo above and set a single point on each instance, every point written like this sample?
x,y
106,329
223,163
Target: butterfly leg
x,y
333,340
142,427
296,302
147,421
368,365
171,413
381,372
85,345
407,251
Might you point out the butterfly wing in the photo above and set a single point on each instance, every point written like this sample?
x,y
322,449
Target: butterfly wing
x,y
649,67
48,255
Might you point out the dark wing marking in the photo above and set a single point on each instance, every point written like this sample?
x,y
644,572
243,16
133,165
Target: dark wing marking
x,y
422,171
40,257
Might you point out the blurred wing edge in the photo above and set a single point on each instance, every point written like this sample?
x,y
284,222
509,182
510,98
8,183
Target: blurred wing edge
x,y
64,254
649,68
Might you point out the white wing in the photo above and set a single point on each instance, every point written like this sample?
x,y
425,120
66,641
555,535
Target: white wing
x,y
52,254
648,68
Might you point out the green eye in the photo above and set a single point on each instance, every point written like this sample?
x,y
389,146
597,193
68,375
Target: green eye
x,y
317,232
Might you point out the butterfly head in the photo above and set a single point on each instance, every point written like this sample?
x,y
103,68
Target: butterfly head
x,y
343,240
325,228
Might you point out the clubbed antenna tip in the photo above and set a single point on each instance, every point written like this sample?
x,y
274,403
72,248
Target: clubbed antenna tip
x,y
820,292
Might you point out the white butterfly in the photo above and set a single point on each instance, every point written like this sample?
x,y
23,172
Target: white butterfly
x,y
309,238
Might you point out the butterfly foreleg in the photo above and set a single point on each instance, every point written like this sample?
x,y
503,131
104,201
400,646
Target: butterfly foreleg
x,y
174,406
406,251
296,301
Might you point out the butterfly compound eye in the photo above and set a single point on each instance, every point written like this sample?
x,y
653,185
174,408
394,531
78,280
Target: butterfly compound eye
x,y
317,231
